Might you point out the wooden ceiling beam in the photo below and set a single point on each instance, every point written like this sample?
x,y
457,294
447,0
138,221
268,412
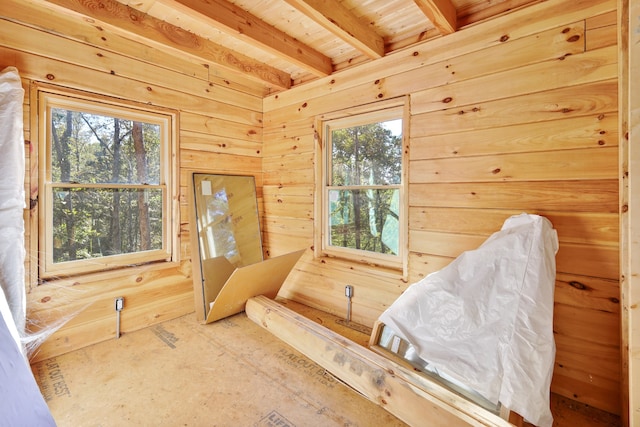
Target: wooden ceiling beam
x,y
146,28
237,22
441,13
337,19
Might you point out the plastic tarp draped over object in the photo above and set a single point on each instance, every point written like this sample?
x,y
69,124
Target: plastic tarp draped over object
x,y
486,319
12,195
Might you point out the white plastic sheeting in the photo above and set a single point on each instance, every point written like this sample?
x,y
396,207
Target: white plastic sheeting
x,y
12,195
486,319
7,317
21,403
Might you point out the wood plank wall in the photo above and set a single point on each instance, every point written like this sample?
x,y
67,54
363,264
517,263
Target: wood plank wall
x,y
220,131
516,115
530,125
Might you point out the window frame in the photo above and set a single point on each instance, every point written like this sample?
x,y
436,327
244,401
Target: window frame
x,y
48,97
372,113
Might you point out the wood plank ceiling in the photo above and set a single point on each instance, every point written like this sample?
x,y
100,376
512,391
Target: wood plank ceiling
x,y
283,43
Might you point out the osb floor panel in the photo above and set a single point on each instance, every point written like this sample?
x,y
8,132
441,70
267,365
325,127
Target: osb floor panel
x,y
182,373
228,373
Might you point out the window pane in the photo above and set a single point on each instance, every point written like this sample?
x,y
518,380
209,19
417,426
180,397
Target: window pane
x,y
367,155
365,219
92,223
92,148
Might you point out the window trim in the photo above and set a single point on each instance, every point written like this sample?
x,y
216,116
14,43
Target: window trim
x,y
380,111
49,96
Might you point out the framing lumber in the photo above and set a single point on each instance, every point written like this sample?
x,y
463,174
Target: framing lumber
x,y
409,397
235,21
162,34
441,13
337,19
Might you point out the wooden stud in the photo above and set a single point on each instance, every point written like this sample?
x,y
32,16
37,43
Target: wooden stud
x,y
442,13
124,18
334,17
234,20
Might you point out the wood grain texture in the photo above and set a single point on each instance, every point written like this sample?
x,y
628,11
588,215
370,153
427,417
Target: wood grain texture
x,y
629,39
533,94
405,395
576,196
336,18
567,71
63,49
151,295
528,124
442,13
384,84
501,32
590,131
565,165
572,227
164,35
234,20
591,99
44,69
213,134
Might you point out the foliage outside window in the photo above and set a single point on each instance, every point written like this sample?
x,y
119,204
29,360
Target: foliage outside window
x,y
362,194
105,185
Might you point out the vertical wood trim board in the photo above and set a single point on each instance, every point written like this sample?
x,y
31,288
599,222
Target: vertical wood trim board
x,y
629,53
634,211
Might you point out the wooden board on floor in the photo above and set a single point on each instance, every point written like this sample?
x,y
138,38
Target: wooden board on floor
x,y
411,398
262,278
566,412
353,331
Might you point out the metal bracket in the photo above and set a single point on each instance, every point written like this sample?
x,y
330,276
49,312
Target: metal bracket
x,y
119,306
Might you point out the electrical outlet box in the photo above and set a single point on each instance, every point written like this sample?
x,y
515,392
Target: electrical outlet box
x,y
119,303
348,291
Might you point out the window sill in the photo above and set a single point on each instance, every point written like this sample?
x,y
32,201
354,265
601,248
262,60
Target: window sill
x,y
115,273
389,270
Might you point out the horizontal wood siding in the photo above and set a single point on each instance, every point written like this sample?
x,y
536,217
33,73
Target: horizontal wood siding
x,y
516,115
220,131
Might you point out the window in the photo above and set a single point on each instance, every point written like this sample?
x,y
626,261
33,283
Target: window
x,y
105,184
363,212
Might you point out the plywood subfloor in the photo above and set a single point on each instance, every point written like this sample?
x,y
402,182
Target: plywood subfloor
x,y
182,373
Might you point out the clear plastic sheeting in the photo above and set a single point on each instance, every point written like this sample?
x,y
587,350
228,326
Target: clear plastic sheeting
x,y
486,320
12,229
12,195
